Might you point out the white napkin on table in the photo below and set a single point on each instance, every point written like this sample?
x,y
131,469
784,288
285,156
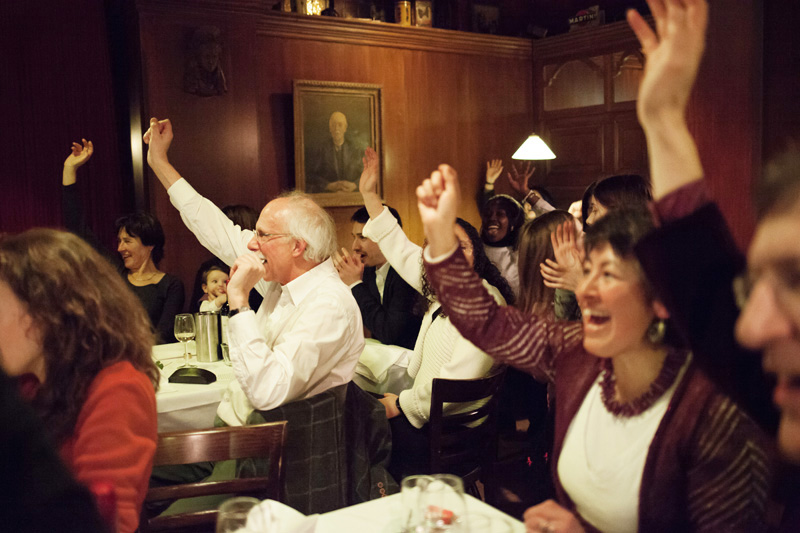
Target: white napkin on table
x,y
377,359
275,517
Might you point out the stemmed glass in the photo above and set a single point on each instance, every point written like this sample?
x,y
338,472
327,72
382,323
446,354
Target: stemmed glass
x,y
233,513
184,332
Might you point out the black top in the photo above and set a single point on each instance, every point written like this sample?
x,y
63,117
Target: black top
x,y
162,300
396,320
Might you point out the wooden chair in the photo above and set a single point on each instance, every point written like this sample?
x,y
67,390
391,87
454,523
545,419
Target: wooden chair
x,y
457,448
218,444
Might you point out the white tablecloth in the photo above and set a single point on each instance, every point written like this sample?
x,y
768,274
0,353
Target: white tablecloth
x,y
183,406
382,515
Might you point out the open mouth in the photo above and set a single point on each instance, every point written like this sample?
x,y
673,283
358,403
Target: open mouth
x,y
787,389
596,318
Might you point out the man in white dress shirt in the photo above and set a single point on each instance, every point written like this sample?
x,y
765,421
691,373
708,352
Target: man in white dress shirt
x,y
307,335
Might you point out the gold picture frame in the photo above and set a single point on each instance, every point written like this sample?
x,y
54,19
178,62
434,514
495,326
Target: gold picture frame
x,y
334,122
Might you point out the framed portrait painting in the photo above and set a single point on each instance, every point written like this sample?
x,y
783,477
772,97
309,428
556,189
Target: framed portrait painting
x,y
333,124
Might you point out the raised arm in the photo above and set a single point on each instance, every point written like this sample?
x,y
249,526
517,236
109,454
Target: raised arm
x,y
77,158
158,138
508,335
209,224
673,54
368,184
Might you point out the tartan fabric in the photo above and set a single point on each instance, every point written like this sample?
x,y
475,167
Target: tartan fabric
x,y
337,449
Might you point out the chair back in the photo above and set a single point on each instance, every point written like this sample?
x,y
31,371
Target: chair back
x,y
460,443
218,444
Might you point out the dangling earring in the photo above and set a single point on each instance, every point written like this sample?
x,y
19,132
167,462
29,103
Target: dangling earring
x,y
656,331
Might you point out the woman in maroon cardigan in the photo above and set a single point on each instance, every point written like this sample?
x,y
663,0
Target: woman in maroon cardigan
x,y
644,441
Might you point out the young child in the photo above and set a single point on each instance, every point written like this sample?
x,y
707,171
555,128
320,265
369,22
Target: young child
x,y
215,282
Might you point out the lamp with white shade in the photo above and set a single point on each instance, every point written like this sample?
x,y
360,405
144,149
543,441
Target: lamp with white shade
x,y
534,148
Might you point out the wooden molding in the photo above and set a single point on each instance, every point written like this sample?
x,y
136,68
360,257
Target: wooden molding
x,y
341,30
594,41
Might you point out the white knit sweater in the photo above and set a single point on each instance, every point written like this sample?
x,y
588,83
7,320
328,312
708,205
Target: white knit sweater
x,y
440,350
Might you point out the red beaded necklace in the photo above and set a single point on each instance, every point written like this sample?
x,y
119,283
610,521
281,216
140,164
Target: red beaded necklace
x,y
669,371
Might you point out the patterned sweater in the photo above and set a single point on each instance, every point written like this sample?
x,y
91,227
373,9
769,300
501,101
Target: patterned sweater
x,y
707,468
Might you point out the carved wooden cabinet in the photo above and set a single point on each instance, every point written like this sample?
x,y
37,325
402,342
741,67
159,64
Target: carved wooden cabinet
x,y
585,87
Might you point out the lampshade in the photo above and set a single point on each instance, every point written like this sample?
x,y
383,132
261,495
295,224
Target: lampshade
x,y
534,148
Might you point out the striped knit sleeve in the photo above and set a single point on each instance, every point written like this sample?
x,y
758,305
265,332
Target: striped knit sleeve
x,y
528,342
730,475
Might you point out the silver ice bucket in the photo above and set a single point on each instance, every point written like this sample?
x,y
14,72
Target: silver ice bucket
x,y
207,336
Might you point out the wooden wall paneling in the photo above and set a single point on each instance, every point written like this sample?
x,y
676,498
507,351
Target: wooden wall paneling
x,y
630,146
439,92
581,152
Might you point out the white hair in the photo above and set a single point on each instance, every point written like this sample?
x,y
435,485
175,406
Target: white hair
x,y
307,221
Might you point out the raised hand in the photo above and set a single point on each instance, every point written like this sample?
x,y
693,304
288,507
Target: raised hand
x,y
494,168
77,158
368,184
519,180
672,53
158,138
566,271
437,199
350,267
80,154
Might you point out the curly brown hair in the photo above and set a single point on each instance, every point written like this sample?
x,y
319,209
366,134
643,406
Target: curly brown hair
x,y
88,319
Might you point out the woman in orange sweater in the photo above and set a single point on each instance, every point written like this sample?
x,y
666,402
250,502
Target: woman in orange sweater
x,y
83,344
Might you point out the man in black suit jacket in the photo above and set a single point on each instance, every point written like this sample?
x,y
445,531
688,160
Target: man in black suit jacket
x,y
387,302
335,165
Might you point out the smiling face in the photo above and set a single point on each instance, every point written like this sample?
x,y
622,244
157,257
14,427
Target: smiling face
x,y
216,284
273,248
369,251
616,311
20,342
495,223
770,320
134,254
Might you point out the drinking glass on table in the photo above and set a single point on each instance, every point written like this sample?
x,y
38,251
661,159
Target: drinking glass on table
x,y
184,332
233,513
443,503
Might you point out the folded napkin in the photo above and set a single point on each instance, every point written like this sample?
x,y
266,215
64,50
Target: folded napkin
x,y
377,359
275,517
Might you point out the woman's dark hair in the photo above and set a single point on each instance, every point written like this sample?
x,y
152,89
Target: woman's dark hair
x,y
481,265
621,228
586,203
243,216
779,188
534,247
87,317
147,227
624,191
515,214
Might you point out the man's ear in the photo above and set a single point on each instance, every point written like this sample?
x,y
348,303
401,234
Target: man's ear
x,y
299,248
660,310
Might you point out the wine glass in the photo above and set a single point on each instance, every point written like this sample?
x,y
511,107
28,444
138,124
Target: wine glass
x,y
184,332
233,513
443,503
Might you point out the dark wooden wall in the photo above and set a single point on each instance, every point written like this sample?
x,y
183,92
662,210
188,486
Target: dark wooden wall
x,y
448,97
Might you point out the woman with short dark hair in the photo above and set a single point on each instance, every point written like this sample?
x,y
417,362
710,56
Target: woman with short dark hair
x,y
140,249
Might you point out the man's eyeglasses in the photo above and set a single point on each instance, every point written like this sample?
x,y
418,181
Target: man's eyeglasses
x,y
266,237
783,282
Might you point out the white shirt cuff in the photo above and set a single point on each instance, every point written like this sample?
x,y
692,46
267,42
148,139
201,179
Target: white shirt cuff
x,y
438,259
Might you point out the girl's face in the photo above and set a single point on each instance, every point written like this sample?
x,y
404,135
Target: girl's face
x,y
616,310
21,339
466,244
134,254
596,211
216,284
496,223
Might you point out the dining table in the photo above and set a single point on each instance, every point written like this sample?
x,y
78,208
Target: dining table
x,y
187,406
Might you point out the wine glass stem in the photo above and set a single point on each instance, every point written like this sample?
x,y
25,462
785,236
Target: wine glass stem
x,y
185,353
